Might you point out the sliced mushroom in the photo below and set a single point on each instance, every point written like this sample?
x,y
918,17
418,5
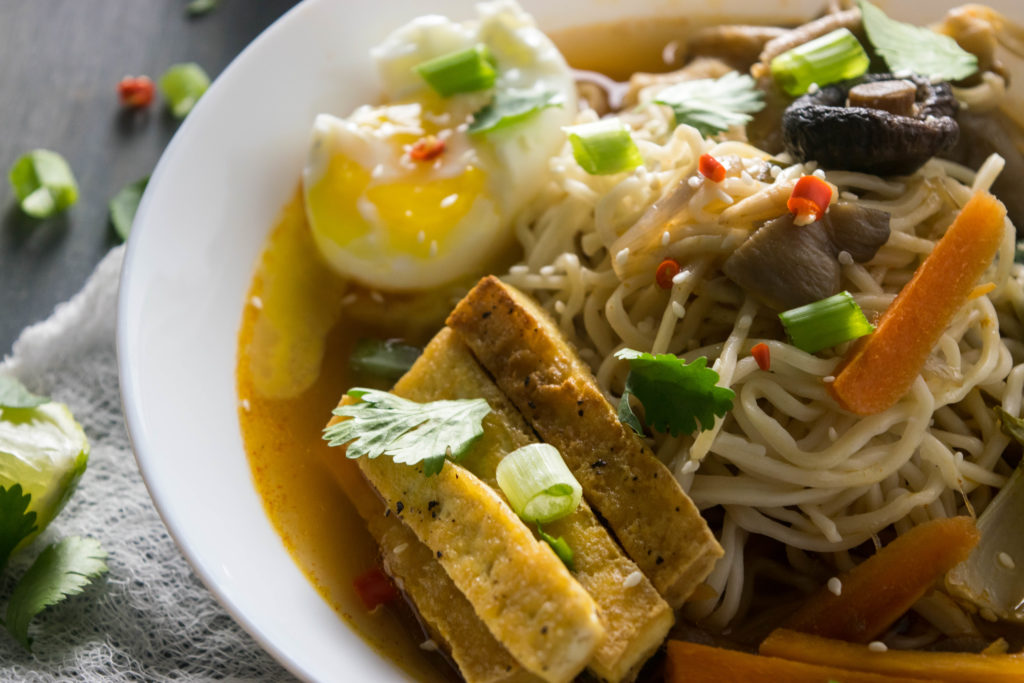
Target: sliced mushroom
x,y
784,265
822,127
737,45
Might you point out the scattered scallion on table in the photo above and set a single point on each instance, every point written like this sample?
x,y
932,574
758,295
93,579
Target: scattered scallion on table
x,y
825,323
43,183
182,85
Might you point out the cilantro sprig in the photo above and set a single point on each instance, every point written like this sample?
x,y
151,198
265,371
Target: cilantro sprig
x,y
906,47
411,433
510,107
677,396
713,105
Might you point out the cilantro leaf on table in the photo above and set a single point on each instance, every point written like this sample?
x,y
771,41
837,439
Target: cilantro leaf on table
x,y
676,395
906,47
512,107
124,205
712,105
410,432
63,569
13,394
15,523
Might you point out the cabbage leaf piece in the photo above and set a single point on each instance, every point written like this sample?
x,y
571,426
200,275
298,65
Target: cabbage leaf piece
x,y
63,569
676,395
410,432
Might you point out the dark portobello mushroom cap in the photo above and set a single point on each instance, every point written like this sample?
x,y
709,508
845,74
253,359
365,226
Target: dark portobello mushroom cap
x,y
823,128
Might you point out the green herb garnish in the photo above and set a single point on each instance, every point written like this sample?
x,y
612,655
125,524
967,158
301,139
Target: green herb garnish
x,y
909,48
604,147
388,359
467,70
182,85
43,183
16,522
1012,426
712,105
410,432
538,484
676,395
825,323
508,108
124,205
63,569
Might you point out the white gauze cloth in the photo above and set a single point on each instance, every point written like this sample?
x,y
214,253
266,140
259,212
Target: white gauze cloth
x,y
149,618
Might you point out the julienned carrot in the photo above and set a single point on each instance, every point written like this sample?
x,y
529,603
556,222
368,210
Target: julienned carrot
x,y
880,369
962,667
692,663
879,590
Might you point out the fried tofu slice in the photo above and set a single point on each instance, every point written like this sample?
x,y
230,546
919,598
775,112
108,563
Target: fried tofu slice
x,y
657,524
636,619
517,585
446,612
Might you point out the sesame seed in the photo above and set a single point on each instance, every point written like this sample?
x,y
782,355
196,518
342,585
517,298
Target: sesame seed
x,y
813,88
678,310
519,269
547,271
835,586
428,645
1007,561
665,237
693,182
679,277
400,548
689,467
377,171
377,296
246,406
256,302
819,174
449,200
877,646
633,579
621,257
845,258
774,171
828,379
559,306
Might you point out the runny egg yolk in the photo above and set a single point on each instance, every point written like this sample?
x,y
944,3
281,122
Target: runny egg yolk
x,y
414,215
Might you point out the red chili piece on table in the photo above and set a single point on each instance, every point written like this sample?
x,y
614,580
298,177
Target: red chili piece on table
x,y
667,270
711,168
426,148
762,354
136,92
810,197
374,588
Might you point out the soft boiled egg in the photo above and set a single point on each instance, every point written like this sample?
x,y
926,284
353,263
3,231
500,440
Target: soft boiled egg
x,y
423,190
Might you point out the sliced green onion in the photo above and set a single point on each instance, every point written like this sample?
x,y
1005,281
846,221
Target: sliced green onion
x,y
43,183
389,358
538,484
826,323
466,70
182,85
835,56
560,546
604,147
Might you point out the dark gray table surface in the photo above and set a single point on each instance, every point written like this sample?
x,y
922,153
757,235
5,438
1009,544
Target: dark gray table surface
x,y
60,62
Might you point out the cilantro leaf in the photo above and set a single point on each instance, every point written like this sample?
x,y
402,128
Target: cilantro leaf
x,y
13,394
410,432
906,47
124,205
512,107
712,105
63,569
15,523
676,395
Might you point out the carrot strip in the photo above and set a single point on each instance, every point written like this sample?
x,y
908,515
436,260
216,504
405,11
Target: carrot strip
x,y
962,667
879,370
692,663
879,590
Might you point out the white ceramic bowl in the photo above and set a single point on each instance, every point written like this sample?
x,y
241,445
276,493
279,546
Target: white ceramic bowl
x,y
210,205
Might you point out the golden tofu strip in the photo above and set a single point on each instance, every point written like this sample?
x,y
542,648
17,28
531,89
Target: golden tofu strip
x,y
445,611
635,617
516,584
532,363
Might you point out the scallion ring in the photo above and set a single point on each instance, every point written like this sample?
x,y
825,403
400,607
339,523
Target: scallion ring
x,y
604,147
825,323
461,71
538,484
833,57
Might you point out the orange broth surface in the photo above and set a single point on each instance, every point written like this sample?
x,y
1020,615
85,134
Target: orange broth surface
x,y
299,326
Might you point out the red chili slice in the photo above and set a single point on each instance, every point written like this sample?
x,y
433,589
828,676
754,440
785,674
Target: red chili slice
x,y
810,197
374,588
426,149
711,168
667,270
762,354
136,92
